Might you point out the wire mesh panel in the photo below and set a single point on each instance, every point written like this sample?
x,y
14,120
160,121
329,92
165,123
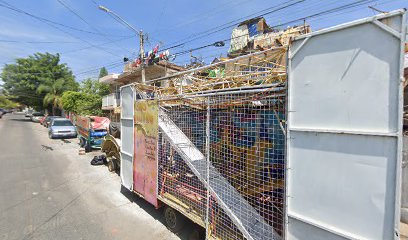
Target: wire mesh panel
x,y
177,182
247,145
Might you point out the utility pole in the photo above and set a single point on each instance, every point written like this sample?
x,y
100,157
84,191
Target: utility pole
x,y
142,58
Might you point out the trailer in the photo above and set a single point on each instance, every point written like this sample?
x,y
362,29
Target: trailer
x,y
295,142
91,130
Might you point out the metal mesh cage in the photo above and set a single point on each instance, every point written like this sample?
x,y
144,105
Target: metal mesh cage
x,y
177,182
221,145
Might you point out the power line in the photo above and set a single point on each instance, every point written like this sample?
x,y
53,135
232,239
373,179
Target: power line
x,y
9,6
321,13
332,10
34,42
101,44
73,11
46,20
224,26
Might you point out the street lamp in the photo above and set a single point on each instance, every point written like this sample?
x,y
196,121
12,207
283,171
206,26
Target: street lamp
x,y
140,33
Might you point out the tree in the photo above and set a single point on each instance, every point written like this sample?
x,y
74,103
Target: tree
x,y
7,103
22,80
53,91
103,72
93,86
82,103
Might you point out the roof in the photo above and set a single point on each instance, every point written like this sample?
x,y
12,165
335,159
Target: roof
x,y
171,66
152,71
110,78
252,20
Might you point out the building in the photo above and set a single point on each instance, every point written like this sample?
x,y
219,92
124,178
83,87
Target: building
x,y
132,73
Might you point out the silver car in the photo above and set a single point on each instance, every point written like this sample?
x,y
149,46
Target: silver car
x,y
61,128
36,117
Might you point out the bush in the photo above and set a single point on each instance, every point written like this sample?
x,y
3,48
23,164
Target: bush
x,y
82,103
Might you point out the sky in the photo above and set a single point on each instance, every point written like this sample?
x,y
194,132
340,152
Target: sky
x,y
87,38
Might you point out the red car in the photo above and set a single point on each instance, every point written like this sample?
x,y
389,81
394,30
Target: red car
x,y
43,119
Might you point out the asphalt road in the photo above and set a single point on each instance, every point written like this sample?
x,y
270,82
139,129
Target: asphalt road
x,y
48,191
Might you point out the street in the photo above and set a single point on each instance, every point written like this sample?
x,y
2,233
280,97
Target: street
x,y
48,191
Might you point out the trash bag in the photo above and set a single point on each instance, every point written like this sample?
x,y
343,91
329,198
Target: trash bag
x,y
99,160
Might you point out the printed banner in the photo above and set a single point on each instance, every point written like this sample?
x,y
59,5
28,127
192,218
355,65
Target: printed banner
x,y
146,136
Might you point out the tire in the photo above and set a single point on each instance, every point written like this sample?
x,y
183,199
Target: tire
x,y
111,165
50,136
175,221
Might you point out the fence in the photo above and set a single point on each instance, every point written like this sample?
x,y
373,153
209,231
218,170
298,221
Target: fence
x,y
221,145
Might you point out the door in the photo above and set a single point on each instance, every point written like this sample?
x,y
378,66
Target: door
x,y
344,136
127,99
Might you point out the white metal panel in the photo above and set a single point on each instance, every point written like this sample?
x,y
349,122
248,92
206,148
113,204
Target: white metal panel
x,y
127,102
355,65
344,182
127,136
344,131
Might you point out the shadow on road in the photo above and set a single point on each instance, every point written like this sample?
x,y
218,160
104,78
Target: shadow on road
x,y
190,231
20,119
45,148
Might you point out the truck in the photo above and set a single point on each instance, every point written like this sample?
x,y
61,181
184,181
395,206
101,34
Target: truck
x,y
302,141
91,130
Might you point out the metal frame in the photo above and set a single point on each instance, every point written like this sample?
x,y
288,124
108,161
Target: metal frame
x,y
131,154
398,135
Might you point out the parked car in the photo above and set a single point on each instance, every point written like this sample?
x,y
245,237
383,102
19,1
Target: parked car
x,y
36,117
48,119
43,119
61,128
29,113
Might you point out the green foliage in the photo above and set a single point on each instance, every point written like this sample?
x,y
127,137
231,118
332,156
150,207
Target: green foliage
x,y
93,86
38,80
6,103
82,103
103,72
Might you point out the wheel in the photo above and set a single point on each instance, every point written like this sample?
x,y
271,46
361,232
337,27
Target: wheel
x,y
50,135
111,165
174,220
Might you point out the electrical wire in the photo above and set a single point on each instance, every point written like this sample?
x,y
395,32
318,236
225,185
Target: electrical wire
x,y
73,11
321,13
219,28
9,6
333,10
35,42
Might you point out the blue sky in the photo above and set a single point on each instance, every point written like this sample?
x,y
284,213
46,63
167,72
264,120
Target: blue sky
x,y
164,21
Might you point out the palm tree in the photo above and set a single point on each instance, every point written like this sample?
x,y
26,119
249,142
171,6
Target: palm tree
x,y
53,92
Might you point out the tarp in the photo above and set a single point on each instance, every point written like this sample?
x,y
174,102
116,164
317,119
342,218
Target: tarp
x,y
99,123
239,38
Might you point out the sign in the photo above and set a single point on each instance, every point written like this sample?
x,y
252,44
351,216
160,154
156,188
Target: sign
x,y
146,137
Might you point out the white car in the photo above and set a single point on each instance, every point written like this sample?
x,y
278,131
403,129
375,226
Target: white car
x,y
36,117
